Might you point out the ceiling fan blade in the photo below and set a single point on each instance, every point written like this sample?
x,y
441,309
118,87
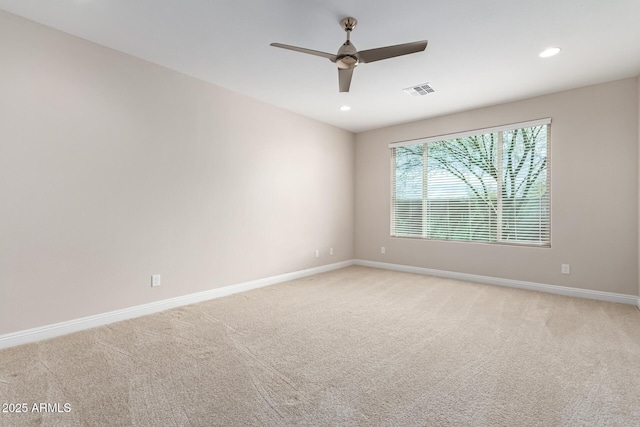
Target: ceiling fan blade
x,y
329,56
380,53
344,79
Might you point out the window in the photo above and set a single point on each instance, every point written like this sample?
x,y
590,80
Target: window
x,y
490,185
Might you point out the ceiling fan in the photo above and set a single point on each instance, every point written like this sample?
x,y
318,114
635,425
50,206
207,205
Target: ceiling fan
x,y
348,56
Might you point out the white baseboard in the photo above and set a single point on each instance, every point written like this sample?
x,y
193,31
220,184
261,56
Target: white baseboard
x,y
532,286
63,328
75,325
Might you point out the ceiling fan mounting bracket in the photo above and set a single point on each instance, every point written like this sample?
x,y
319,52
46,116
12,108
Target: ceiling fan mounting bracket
x,y
348,24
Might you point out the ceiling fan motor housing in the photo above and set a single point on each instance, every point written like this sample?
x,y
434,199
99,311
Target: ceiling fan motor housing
x,y
347,57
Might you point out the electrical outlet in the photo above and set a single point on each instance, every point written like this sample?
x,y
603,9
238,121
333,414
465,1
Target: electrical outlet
x,y
330,251
155,280
383,250
317,253
566,269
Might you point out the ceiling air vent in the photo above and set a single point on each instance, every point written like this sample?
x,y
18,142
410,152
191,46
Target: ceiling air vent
x,y
419,90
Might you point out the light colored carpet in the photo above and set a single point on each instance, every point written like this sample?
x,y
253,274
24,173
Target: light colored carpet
x,y
352,347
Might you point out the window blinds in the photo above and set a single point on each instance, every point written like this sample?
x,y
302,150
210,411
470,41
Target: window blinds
x,y
489,185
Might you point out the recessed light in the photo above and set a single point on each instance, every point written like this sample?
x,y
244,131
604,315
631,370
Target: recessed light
x,y
549,52
345,108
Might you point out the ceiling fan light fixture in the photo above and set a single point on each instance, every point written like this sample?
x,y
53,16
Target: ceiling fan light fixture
x,y
347,62
549,52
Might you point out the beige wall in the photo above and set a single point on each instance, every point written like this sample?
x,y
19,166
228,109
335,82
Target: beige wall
x,y
113,169
594,158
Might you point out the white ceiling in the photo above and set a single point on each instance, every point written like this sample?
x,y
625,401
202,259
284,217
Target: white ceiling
x,y
480,52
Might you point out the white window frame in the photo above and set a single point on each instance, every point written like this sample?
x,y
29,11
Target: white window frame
x,y
438,138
